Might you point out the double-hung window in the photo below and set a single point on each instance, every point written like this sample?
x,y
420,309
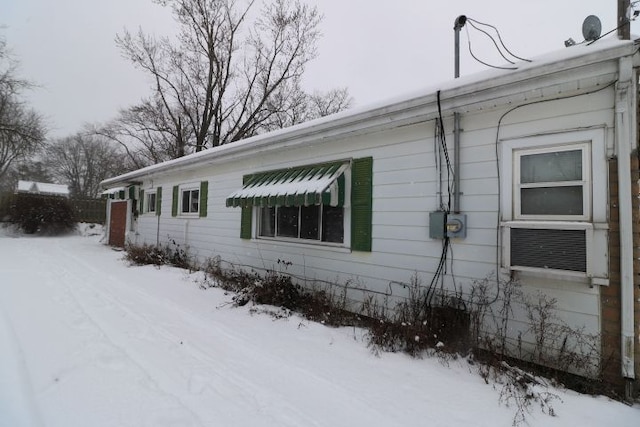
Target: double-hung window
x,y
552,183
551,203
190,201
150,203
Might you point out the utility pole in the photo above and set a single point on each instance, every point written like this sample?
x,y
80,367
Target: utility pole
x,y
624,23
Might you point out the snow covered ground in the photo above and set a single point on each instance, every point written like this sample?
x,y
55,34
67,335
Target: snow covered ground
x,y
86,340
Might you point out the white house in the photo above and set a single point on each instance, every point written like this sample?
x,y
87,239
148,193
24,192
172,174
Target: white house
x,y
44,188
538,183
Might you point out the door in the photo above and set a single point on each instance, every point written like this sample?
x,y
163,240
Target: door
x,y
118,223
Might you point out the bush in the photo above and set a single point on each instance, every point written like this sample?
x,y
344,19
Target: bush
x,y
45,214
278,289
171,254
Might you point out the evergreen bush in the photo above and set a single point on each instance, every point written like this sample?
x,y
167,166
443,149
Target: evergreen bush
x,y
45,214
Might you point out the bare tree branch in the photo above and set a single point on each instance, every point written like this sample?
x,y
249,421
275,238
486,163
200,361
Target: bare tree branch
x,y
22,130
224,77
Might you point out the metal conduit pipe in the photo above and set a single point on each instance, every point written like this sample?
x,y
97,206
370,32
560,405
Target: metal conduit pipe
x,y
624,131
457,26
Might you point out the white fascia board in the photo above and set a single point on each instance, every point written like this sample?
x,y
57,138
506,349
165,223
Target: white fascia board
x,y
482,90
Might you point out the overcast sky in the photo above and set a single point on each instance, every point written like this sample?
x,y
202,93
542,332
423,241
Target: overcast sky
x,y
377,48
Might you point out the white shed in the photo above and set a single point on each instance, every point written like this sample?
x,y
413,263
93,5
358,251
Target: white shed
x,y
44,188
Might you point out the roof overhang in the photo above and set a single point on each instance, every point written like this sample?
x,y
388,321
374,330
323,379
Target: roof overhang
x,y
574,70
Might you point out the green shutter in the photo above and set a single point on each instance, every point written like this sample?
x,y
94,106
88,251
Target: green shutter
x,y
245,222
141,211
204,194
361,201
159,201
247,214
174,201
132,192
121,194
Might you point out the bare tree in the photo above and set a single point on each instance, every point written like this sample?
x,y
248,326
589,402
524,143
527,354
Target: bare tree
x,y
22,131
146,134
224,78
296,106
83,160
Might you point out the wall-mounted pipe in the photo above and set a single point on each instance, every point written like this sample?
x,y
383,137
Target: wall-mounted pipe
x,y
624,141
457,26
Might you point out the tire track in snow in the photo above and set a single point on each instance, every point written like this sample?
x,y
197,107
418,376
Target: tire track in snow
x,y
61,283
228,380
264,394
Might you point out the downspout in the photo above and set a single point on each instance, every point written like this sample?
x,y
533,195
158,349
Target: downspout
x,y
625,143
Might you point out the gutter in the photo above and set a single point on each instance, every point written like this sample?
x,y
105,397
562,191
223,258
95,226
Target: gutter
x,y
625,143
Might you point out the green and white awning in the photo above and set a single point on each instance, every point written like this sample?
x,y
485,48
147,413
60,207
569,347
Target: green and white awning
x,y
302,186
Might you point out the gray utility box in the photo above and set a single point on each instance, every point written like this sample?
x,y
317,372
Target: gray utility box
x,y
443,225
437,221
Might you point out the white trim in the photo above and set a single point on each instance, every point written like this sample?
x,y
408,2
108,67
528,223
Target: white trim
x,y
595,137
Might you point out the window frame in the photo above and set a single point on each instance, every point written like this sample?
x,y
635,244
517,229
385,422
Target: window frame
x,y
147,202
190,188
585,182
594,220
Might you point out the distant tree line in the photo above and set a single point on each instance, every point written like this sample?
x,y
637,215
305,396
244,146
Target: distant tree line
x,y
81,161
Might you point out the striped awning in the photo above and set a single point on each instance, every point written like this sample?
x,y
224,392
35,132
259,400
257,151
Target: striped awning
x,y
303,186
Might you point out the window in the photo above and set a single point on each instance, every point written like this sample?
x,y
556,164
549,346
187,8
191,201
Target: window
x,y
554,211
330,203
319,222
552,183
150,203
190,201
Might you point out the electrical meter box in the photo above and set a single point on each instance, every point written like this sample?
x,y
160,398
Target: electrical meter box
x,y
437,222
443,225
456,225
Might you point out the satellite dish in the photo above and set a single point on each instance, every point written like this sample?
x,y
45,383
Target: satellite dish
x,y
591,28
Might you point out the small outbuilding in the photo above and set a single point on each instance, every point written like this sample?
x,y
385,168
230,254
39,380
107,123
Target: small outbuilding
x,y
43,188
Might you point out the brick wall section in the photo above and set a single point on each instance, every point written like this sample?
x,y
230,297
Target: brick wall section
x,y
635,177
610,295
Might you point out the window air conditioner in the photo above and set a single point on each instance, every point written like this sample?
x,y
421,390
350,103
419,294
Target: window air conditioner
x,y
562,247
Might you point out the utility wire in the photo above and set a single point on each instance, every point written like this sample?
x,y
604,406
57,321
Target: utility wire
x,y
499,38
492,39
479,60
